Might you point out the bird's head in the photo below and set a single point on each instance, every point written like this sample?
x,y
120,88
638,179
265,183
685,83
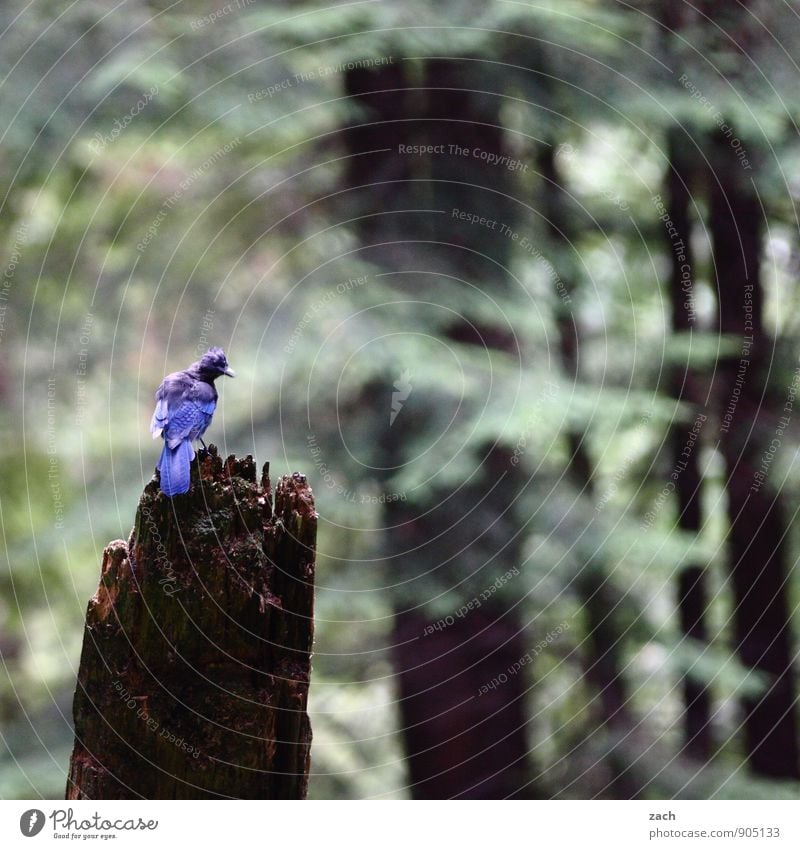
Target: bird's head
x,y
214,363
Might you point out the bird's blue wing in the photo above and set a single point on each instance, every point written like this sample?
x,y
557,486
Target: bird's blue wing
x,y
206,409
184,408
185,423
170,395
160,416
205,396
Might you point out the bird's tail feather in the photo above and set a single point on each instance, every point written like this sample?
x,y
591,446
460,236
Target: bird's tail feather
x,y
174,467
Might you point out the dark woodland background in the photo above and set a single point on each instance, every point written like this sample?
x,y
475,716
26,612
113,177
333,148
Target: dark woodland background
x,y
513,283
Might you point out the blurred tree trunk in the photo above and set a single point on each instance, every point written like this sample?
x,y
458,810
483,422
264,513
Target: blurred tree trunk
x,y
194,674
750,416
685,388
459,744
464,722
599,597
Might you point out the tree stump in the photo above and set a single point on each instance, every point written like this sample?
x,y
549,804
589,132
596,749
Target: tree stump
x,y
194,674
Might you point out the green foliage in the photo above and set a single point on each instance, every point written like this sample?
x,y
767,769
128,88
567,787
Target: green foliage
x,y
135,254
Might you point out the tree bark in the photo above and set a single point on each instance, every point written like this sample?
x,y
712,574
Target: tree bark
x,y
194,675
750,418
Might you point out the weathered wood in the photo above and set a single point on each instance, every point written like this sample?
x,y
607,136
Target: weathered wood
x,y
194,675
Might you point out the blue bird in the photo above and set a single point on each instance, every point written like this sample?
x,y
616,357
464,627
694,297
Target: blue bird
x,y
185,403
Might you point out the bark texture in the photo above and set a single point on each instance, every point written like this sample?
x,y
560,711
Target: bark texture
x,y
194,675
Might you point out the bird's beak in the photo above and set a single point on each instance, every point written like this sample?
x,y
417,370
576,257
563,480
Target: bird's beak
x,y
230,372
